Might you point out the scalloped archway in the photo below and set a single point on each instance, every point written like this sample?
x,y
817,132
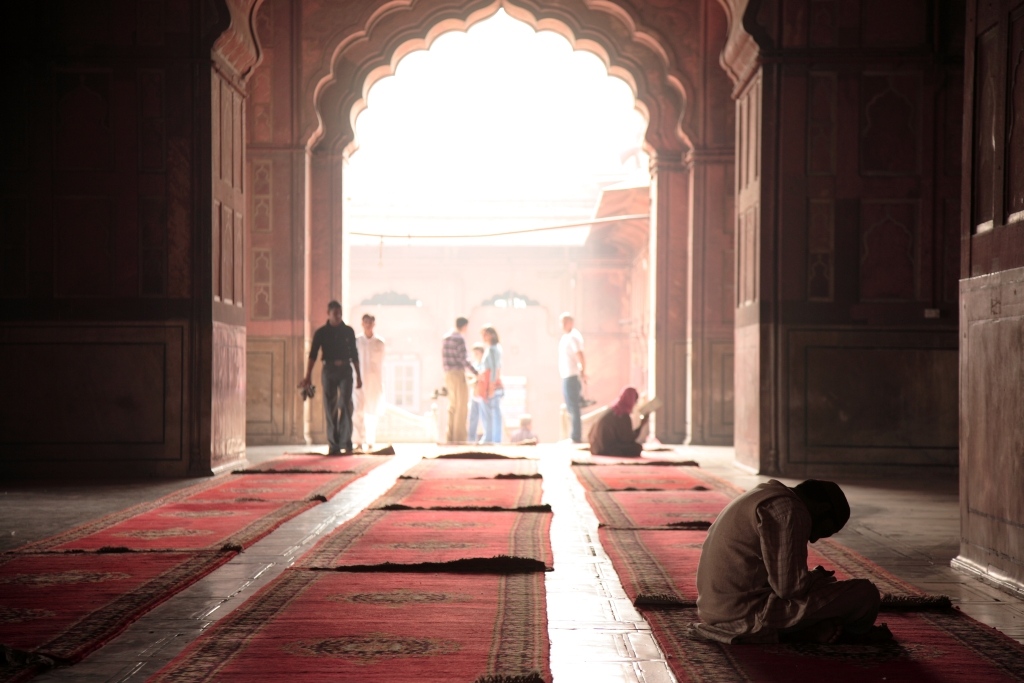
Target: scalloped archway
x,y
668,54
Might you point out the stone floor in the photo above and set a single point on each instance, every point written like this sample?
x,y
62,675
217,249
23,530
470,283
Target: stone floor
x,y
908,526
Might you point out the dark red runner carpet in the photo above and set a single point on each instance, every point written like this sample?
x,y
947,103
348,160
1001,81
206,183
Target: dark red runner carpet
x,y
655,509
66,605
464,468
309,462
376,628
660,566
930,647
631,477
414,536
464,493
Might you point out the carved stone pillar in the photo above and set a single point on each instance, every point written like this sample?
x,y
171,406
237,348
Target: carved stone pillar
x,y
670,256
710,320
323,255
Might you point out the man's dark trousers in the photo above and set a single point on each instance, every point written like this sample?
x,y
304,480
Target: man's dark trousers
x,y
337,383
571,388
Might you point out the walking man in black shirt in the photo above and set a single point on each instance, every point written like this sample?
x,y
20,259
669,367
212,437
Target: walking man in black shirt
x,y
338,342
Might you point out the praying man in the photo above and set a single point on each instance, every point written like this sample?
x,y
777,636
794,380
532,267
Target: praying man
x,y
753,584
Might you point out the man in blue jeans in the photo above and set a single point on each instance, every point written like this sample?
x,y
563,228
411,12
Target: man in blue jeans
x,y
340,355
572,366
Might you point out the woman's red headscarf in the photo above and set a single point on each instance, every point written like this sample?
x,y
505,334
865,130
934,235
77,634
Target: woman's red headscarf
x,y
627,399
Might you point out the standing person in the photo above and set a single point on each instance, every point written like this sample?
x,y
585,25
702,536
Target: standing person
x,y
340,355
476,402
369,400
492,388
456,363
572,366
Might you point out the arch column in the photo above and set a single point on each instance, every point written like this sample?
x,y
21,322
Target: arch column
x,y
710,318
669,256
323,252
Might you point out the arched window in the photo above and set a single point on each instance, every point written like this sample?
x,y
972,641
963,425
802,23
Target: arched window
x,y
510,299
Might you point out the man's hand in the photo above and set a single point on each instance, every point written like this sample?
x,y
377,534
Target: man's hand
x,y
359,382
305,383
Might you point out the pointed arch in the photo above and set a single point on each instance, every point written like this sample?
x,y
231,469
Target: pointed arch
x,y
353,59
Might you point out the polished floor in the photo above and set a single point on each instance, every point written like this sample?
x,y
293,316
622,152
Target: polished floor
x,y
909,526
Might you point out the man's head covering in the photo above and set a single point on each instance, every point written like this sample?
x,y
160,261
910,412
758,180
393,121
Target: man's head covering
x,y
627,399
829,493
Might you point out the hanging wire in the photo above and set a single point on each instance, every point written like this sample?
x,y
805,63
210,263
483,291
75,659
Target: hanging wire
x,y
592,221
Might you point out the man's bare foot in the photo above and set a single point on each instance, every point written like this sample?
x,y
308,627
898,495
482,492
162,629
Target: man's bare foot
x,y
823,632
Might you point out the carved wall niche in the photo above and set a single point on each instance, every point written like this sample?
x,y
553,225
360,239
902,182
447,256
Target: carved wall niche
x,y
821,123
890,124
889,250
83,138
262,284
152,121
820,250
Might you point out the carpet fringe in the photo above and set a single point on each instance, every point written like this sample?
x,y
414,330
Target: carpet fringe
x,y
890,603
293,470
532,677
633,488
500,564
662,600
470,508
674,526
914,603
497,476
15,658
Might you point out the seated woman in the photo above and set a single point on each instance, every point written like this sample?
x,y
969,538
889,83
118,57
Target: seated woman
x,y
614,434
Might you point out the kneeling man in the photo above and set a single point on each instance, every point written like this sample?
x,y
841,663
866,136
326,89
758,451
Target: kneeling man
x,y
753,584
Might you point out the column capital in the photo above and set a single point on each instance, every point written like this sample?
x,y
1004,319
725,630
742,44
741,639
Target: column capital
x,y
710,155
666,162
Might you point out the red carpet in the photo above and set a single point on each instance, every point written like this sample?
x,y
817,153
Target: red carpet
x,y
447,468
654,509
413,536
237,510
631,477
88,597
464,493
660,567
306,462
930,647
377,628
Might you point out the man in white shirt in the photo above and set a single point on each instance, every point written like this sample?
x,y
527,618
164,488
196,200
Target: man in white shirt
x,y
572,366
369,400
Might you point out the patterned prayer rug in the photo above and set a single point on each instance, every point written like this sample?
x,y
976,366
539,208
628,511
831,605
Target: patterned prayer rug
x,y
631,477
311,463
64,606
446,468
464,493
414,536
656,509
932,647
659,567
377,628
642,461
237,511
